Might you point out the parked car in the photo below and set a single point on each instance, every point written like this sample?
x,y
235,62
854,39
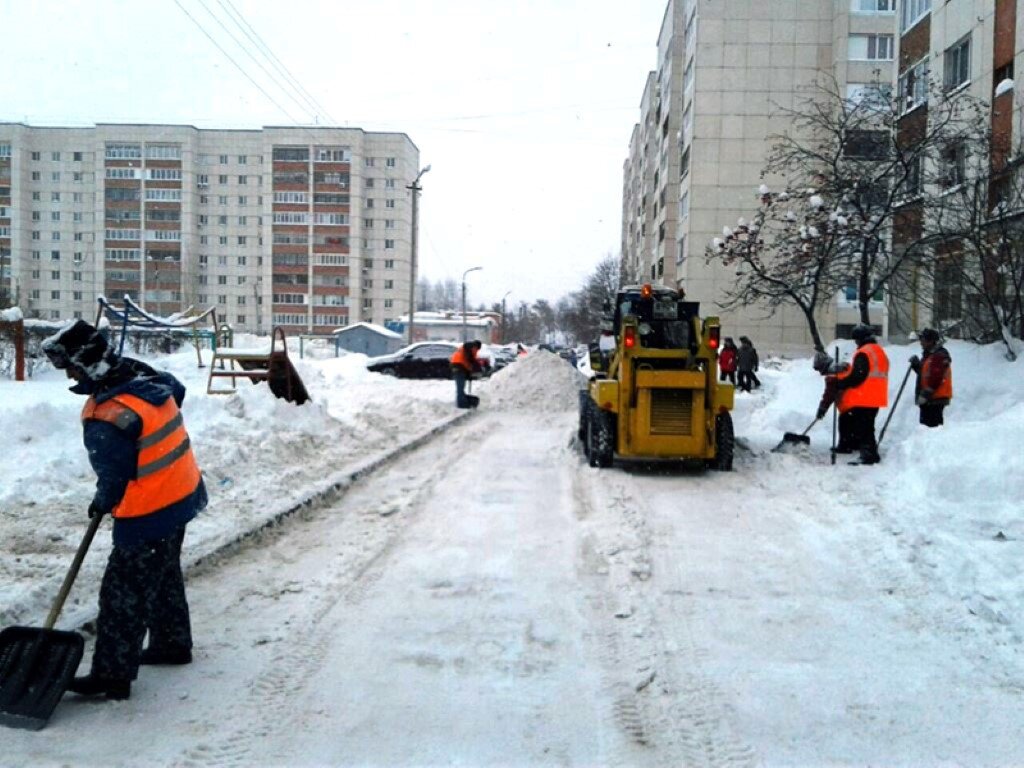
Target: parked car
x,y
424,360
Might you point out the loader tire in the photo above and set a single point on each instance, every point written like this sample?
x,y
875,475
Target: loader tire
x,y
600,439
725,443
581,432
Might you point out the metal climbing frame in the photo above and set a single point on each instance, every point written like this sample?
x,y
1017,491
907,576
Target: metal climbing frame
x,y
131,315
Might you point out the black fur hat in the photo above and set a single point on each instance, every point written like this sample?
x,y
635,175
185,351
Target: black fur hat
x,y
81,346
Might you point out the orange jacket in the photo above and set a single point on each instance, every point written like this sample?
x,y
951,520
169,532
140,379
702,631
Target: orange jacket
x,y
465,359
167,471
873,392
932,367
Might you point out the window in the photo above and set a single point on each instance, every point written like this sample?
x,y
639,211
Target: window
x,y
873,6
123,151
163,152
242,240
368,223
913,86
290,197
222,179
688,75
243,179
369,202
223,159
164,174
242,159
242,200
389,183
243,220
203,180
77,157
55,295
204,239
389,203
241,261
36,176
389,283
869,95
291,154
368,162
222,279
55,176
222,220
866,145
222,199
76,176
389,263
333,155
7,148
222,240
163,195
76,197
55,197
241,279
389,223
55,274
369,183
913,12
389,245
870,47
912,183
684,205
331,218
37,215
55,236
222,261
76,295
954,165
957,65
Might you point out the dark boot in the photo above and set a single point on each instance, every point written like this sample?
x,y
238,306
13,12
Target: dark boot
x,y
166,656
91,685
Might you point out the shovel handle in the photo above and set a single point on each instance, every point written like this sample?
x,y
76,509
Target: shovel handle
x,y
76,564
896,402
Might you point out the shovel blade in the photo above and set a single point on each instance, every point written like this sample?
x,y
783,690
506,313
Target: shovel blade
x,y
36,667
791,441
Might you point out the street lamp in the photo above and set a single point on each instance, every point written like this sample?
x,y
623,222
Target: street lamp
x,y
415,188
504,339
471,269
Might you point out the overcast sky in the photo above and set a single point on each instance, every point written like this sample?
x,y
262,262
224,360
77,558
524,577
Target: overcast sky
x,y
523,108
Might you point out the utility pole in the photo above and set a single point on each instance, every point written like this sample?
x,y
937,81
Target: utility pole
x,y
504,325
415,188
471,269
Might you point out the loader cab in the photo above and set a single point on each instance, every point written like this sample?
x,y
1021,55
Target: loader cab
x,y
663,319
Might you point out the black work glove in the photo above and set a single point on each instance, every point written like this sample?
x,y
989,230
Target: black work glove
x,y
915,362
821,412
95,509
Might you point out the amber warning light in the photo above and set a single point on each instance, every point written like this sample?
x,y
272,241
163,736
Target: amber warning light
x,y
645,291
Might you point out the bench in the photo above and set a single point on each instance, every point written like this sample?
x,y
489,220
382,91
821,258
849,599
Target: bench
x,y
264,364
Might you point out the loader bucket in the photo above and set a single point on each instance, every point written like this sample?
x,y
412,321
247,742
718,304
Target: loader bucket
x,y
36,667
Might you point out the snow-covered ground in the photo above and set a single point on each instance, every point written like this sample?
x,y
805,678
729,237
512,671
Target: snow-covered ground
x,y
489,599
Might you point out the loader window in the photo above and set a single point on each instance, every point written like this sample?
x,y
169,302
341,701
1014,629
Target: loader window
x,y
664,322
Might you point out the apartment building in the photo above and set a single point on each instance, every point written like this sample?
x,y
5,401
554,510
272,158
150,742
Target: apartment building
x,y
307,228
964,45
741,62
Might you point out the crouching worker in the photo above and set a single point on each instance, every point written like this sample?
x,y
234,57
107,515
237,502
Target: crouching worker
x,y
464,364
148,481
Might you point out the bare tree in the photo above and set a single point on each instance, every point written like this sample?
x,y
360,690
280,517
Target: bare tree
x,y
978,221
875,158
786,256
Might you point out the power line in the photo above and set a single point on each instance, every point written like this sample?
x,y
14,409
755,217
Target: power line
x,y
237,65
272,58
235,40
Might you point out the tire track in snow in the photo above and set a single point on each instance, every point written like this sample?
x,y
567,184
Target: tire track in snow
x,y
369,537
663,703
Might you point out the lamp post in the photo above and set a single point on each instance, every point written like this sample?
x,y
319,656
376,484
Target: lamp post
x,y
415,188
471,269
504,339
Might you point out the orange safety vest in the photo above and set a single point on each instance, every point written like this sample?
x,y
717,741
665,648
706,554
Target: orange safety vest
x,y
873,392
459,359
167,471
945,389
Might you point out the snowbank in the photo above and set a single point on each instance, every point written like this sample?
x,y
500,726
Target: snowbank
x,y
541,381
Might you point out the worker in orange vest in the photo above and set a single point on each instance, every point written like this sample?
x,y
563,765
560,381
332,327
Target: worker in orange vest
x,y
150,484
863,390
464,364
934,378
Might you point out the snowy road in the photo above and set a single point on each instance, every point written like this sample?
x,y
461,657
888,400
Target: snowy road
x,y
489,599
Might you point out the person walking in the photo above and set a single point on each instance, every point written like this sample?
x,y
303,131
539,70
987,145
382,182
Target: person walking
x,y
148,480
863,390
934,370
747,364
829,369
464,364
727,361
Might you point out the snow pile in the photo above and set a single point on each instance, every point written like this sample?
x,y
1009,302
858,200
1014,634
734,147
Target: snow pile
x,y
1004,87
257,453
11,315
540,381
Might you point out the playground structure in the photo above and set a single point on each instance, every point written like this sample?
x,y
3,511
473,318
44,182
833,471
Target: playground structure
x,y
270,365
132,316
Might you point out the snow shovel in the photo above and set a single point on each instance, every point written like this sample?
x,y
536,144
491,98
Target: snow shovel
x,y
36,665
895,402
792,438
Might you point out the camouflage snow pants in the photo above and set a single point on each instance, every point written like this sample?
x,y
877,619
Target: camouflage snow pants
x,y
142,589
